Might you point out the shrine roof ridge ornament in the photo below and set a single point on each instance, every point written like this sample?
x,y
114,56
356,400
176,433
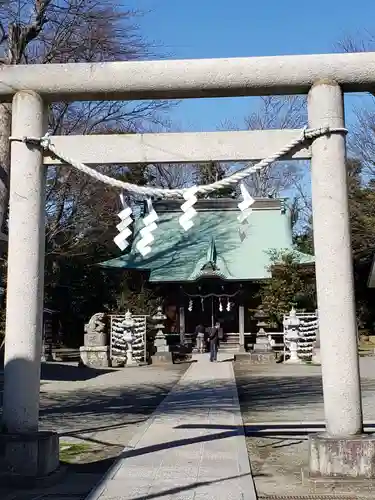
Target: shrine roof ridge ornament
x,y
190,78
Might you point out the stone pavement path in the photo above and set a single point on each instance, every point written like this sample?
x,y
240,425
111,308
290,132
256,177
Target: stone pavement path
x,y
205,357
193,447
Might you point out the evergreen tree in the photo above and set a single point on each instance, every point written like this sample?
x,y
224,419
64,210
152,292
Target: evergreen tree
x,y
292,284
362,220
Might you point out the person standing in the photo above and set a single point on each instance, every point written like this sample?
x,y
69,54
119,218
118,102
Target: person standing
x,y
214,342
200,338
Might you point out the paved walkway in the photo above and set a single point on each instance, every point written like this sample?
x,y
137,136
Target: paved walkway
x,y
221,356
193,446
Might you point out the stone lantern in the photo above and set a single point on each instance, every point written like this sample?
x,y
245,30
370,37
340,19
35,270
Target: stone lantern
x,y
162,354
291,336
159,317
262,352
128,324
262,343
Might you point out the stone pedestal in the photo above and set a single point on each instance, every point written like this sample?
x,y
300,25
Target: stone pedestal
x,y
130,361
262,344
30,455
293,354
242,357
347,458
162,358
262,352
262,358
95,339
162,355
95,356
95,353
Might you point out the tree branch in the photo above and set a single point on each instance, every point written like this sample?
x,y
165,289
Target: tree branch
x,y
20,36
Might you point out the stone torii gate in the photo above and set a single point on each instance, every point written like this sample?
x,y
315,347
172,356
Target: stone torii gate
x,y
324,78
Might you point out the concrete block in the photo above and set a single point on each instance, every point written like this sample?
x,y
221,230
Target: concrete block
x,y
242,357
95,339
255,358
350,458
262,358
162,358
30,455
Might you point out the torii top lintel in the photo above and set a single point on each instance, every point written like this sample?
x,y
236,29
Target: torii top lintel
x,y
178,79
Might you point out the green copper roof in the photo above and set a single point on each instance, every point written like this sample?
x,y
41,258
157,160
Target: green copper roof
x,y
213,246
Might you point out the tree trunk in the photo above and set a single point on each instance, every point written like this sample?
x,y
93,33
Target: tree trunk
x,y
5,126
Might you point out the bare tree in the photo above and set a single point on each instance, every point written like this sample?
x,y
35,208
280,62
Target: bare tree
x,y
5,124
361,139
363,41
65,31
171,175
276,112
14,38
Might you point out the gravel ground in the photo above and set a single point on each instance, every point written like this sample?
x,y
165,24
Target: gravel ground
x,y
293,394
103,410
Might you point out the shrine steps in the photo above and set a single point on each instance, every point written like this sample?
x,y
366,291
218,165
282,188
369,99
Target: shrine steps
x,y
231,343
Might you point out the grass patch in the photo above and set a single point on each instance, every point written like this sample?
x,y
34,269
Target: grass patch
x,y
70,451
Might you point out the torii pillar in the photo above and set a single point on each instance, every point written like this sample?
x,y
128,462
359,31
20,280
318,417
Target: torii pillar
x,y
343,451
27,451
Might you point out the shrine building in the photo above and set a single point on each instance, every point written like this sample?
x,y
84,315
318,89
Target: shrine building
x,y
213,271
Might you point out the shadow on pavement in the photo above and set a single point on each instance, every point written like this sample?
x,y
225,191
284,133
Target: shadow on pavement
x,y
180,489
256,392
69,372
69,411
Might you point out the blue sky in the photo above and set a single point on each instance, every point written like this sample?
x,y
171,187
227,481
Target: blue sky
x,y
222,28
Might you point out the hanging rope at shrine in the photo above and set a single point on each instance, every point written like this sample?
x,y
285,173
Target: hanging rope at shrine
x,y
306,135
189,194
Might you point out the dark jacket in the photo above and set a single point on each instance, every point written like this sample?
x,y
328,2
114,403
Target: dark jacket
x,y
214,336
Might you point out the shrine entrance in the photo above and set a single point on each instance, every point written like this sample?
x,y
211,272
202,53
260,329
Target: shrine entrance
x,y
211,300
209,308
